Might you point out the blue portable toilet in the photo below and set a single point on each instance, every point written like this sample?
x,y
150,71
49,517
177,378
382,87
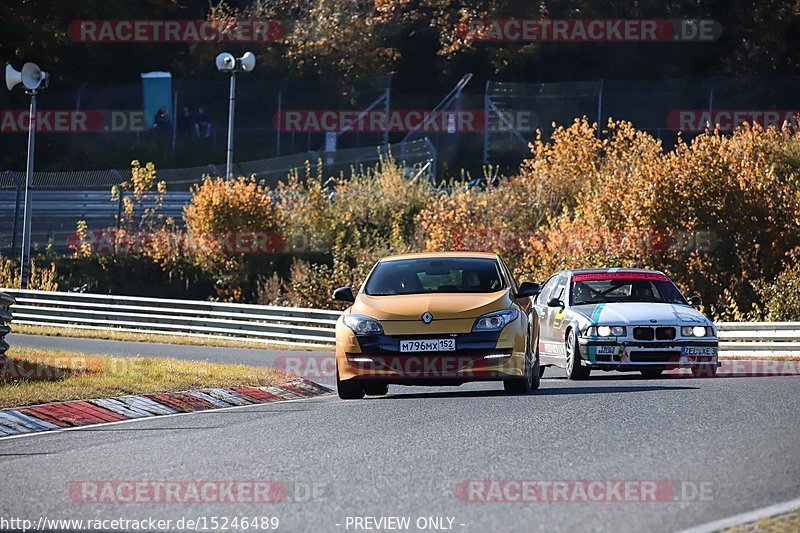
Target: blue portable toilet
x,y
157,93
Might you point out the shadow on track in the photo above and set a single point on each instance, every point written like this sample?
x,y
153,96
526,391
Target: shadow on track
x,y
541,392
122,428
25,454
728,370
606,390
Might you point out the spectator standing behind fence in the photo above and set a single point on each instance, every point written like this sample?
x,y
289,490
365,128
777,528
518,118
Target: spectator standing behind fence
x,y
161,122
185,121
202,123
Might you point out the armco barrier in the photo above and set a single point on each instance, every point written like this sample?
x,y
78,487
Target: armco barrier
x,y
285,325
5,317
759,339
272,324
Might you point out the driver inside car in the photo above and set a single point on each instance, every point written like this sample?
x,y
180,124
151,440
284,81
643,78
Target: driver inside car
x,y
641,292
582,293
470,279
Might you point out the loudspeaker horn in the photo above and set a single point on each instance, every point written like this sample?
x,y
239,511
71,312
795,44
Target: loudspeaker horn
x,y
13,77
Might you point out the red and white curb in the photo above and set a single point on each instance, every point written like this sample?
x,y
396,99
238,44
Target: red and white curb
x,y
78,413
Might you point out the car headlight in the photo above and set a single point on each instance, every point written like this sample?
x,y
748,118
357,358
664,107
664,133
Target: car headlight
x,y
695,331
363,325
607,331
495,321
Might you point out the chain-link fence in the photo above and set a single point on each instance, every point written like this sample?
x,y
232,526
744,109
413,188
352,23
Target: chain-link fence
x,y
111,124
503,118
663,108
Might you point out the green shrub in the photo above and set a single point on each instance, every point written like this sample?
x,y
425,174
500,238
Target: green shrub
x,y
780,299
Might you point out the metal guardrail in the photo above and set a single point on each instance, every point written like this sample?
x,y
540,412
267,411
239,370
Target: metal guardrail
x,y
759,339
283,325
56,212
270,324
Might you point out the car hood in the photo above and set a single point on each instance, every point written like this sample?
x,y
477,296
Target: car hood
x,y
441,306
623,314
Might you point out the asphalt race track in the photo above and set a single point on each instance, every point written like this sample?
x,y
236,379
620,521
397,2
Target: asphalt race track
x,y
725,446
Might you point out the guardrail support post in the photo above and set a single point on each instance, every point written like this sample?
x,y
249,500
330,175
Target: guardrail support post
x,y
5,318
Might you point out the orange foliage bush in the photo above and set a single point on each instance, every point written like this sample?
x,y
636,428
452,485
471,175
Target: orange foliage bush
x,y
221,208
716,214
230,205
719,214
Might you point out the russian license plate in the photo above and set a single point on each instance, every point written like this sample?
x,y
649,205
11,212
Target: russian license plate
x,y
606,350
428,345
699,350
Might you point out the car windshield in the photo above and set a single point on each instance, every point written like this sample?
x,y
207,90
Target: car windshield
x,y
623,287
435,275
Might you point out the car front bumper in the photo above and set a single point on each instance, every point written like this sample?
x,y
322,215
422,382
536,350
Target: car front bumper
x,y
636,355
486,356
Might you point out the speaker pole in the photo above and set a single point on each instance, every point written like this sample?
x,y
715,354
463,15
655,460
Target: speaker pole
x,y
231,110
227,63
26,224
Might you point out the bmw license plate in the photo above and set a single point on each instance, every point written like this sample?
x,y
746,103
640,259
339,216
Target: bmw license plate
x,y
606,350
699,350
428,345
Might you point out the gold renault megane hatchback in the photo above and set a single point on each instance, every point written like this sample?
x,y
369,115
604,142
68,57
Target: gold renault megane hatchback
x,y
437,319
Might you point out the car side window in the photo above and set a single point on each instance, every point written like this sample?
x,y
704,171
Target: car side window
x,y
547,288
510,277
561,285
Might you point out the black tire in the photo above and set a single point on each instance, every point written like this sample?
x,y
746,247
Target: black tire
x,y
348,389
376,389
538,369
524,385
651,373
704,371
575,368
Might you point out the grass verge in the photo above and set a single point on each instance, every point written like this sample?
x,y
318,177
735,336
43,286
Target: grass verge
x,y
29,376
116,335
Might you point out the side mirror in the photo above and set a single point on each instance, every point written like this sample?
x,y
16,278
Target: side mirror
x,y
344,294
555,302
528,288
695,301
